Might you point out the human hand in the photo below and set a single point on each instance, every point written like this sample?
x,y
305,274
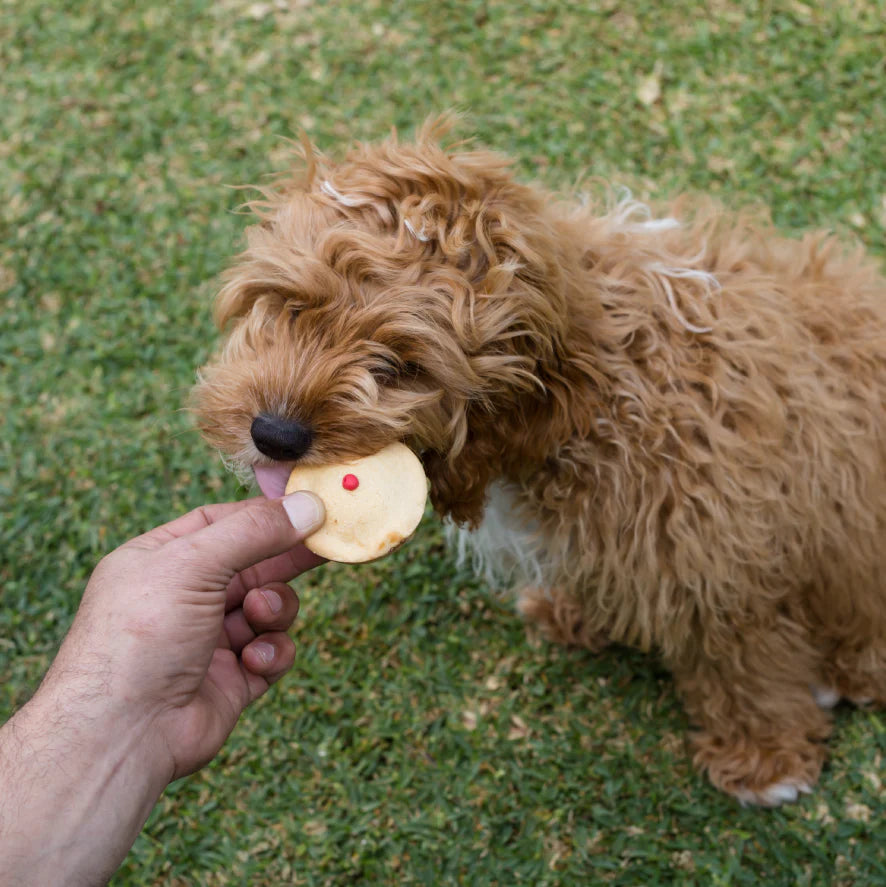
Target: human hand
x,y
178,631
183,627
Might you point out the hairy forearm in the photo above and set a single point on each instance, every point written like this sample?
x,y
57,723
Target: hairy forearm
x,y
77,781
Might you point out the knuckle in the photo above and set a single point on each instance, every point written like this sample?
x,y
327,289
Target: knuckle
x,y
204,513
261,521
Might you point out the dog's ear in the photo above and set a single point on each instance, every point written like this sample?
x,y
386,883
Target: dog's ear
x,y
503,244
459,485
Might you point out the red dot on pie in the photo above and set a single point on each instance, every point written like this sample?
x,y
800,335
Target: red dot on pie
x,y
350,482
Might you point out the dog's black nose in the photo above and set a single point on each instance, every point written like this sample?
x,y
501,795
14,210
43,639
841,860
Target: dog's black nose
x,y
278,438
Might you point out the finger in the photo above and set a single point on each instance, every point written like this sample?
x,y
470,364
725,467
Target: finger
x,y
224,641
237,632
281,568
261,530
272,607
269,656
234,687
188,523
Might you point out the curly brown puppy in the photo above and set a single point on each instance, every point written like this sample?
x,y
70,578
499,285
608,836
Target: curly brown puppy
x,y
667,429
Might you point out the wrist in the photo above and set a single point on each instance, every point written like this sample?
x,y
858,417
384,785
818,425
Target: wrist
x,y
105,720
79,774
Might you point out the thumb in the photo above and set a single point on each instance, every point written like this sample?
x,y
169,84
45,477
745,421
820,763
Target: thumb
x,y
262,529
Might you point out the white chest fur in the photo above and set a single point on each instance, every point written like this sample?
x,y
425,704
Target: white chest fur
x,y
507,550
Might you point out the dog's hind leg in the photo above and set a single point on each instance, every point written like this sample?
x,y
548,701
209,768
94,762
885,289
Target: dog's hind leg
x,y
558,618
856,670
846,615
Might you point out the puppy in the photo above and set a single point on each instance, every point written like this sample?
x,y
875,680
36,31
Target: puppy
x,y
663,429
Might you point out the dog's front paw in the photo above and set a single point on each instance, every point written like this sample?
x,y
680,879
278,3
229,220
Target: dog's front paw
x,y
785,792
760,775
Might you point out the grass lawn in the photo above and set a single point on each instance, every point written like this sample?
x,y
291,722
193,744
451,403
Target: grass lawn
x,y
420,739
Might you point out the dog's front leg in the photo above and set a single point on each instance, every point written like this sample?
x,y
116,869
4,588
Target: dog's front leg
x,y
760,734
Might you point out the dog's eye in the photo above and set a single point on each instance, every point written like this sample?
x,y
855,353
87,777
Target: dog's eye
x,y
386,370
390,370
383,375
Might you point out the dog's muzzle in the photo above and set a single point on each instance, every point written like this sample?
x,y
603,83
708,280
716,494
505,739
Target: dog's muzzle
x,y
279,438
